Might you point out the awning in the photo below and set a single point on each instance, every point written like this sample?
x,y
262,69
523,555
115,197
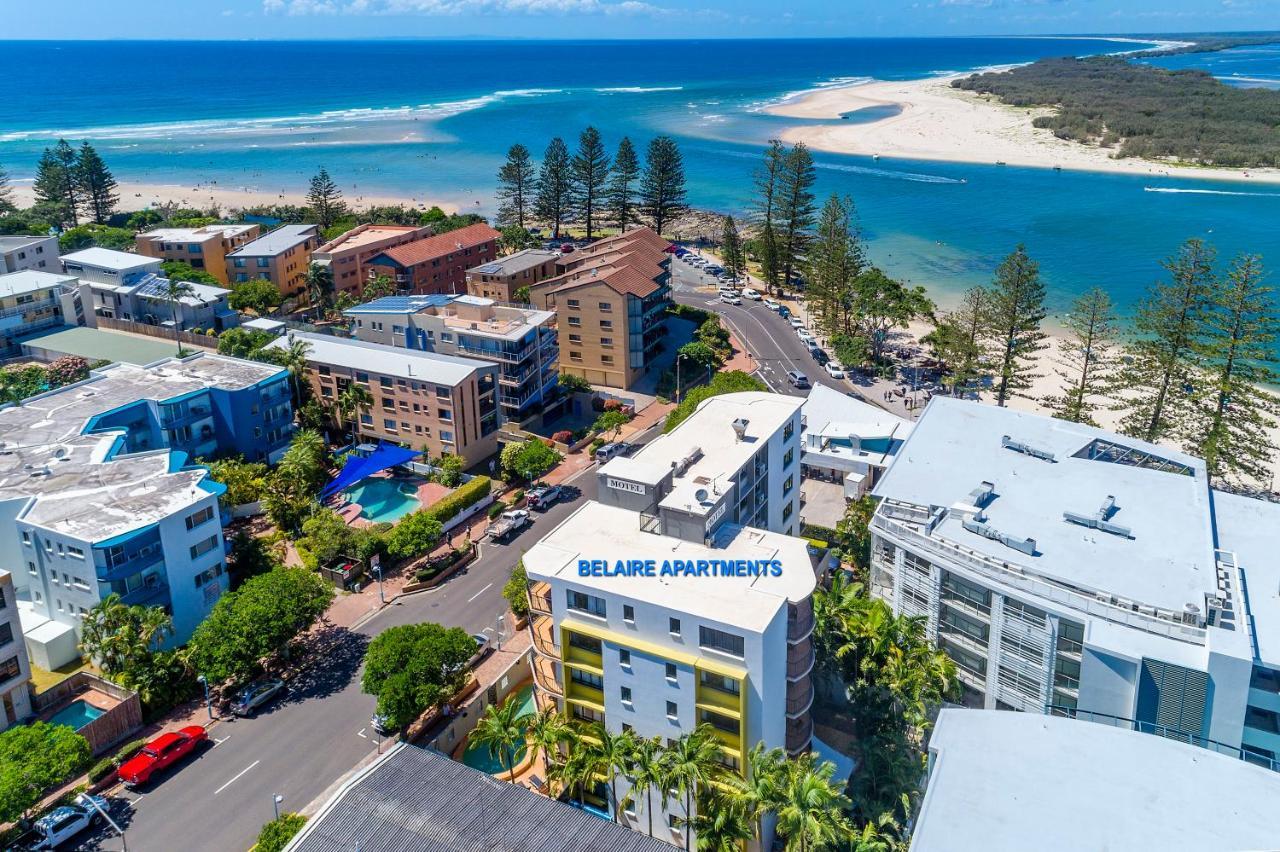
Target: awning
x,y
357,468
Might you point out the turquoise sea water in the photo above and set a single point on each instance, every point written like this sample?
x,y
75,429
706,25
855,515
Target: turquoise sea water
x,y
432,120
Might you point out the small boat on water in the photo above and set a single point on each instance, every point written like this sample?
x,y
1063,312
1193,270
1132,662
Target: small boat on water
x,y
1001,163
875,156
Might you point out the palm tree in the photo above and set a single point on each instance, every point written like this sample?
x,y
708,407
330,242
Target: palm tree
x,y
548,730
175,291
319,285
354,399
882,834
294,359
646,769
721,823
693,761
585,764
503,728
615,752
811,809
759,793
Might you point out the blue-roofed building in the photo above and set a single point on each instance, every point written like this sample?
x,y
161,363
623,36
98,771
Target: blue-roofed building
x,y
99,494
519,338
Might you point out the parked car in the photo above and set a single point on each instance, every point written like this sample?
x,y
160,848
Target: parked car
x,y
731,298
161,753
797,323
784,311
817,354
834,369
798,379
61,824
482,648
508,524
771,304
751,294
608,451
712,269
542,497
805,337
255,696
726,278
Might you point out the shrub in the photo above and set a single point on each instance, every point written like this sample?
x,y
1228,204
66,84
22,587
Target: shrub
x,y
276,834
415,535
495,510
574,384
473,492
564,436
515,589
517,496
128,750
597,404
596,444
101,770
613,405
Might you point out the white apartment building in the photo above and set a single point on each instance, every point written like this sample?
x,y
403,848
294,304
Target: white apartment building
x,y
1068,569
32,302
28,252
676,599
734,460
847,440
1010,782
97,496
15,671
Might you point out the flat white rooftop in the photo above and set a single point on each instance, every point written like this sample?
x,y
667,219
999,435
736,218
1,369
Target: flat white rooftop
x,y
1008,782
1250,529
707,436
31,281
596,531
278,241
102,258
186,235
1166,560
385,360
46,458
837,421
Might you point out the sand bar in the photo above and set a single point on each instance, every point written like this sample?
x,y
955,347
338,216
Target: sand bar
x,y
938,122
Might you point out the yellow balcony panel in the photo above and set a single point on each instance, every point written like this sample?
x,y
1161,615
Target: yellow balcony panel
x,y
730,742
581,658
588,698
719,702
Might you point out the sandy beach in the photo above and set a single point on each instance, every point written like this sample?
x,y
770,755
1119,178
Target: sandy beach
x,y
138,196
937,122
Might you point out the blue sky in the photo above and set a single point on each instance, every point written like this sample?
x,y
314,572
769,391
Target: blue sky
x,y
621,18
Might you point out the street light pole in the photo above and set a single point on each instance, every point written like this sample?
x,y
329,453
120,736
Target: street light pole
x,y
208,704
275,803
377,572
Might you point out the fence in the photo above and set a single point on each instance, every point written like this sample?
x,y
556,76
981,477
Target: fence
x,y
186,337
113,726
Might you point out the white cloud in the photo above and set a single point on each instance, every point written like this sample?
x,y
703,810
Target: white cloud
x,y
461,7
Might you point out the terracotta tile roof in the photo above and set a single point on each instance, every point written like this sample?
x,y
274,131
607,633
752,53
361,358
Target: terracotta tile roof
x,y
421,251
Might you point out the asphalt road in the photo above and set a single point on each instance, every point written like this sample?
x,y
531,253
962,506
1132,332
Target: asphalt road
x,y
302,743
767,337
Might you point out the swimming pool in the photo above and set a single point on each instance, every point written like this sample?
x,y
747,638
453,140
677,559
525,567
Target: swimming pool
x,y
384,500
76,715
477,756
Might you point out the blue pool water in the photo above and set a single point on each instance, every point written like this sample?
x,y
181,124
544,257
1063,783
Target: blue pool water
x,y
477,756
384,500
76,715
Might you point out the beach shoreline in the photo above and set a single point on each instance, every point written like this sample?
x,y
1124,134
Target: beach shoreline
x,y
939,123
202,196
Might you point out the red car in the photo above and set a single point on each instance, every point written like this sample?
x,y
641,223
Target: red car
x,y
161,753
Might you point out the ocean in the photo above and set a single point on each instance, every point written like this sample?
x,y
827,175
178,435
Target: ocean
x,y
433,119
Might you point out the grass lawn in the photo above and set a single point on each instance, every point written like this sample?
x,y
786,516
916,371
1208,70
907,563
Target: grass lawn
x,y
42,679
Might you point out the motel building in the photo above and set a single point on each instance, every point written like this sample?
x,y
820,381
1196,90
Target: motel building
x,y
678,598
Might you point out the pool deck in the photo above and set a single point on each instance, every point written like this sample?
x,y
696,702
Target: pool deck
x,y
92,697
427,494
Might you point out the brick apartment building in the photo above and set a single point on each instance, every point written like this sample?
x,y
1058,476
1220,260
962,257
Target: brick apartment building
x,y
436,264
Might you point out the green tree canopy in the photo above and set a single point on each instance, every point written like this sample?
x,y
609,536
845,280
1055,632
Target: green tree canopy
x,y
413,667
255,621
121,638
244,342
325,199
416,534
516,589
517,186
554,201
275,835
260,296
95,184
662,191
1015,303
620,195
590,171
178,270
732,381
528,460
34,758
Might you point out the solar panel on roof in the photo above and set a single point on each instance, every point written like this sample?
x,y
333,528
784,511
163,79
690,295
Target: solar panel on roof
x,y
489,269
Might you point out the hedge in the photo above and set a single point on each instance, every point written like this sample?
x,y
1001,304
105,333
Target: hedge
x,y
688,312
128,750
101,769
464,496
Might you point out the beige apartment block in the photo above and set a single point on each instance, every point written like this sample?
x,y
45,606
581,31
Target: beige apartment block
x,y
346,255
440,404
281,257
203,248
501,279
610,302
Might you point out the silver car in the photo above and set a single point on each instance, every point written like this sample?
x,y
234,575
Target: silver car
x,y
256,695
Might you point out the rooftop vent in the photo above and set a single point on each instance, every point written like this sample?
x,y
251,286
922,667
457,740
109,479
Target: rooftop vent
x,y
701,495
740,427
982,495
683,464
1100,519
1026,449
1022,545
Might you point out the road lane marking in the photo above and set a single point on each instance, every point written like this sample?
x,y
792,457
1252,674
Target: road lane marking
x,y
233,780
479,593
217,743
360,733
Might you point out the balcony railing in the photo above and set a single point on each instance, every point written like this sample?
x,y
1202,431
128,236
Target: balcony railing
x,y
546,677
543,630
799,734
29,307
800,659
121,567
800,620
799,697
540,598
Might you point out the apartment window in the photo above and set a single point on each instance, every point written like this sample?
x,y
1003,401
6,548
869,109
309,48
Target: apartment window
x,y
31,569
789,457
198,518
624,658
788,484
711,680
9,669
721,722
362,377
626,690
606,341
445,414
366,419
587,643
386,382
264,262
788,430
786,512
388,404
671,671
574,355
573,304
629,613
389,424
673,626
606,307
586,714
1262,720
324,370
397,329
607,325
576,322
582,602
208,575
718,640
606,359
6,633
209,544
446,436
575,338
673,713
75,552
586,679
446,337
26,538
